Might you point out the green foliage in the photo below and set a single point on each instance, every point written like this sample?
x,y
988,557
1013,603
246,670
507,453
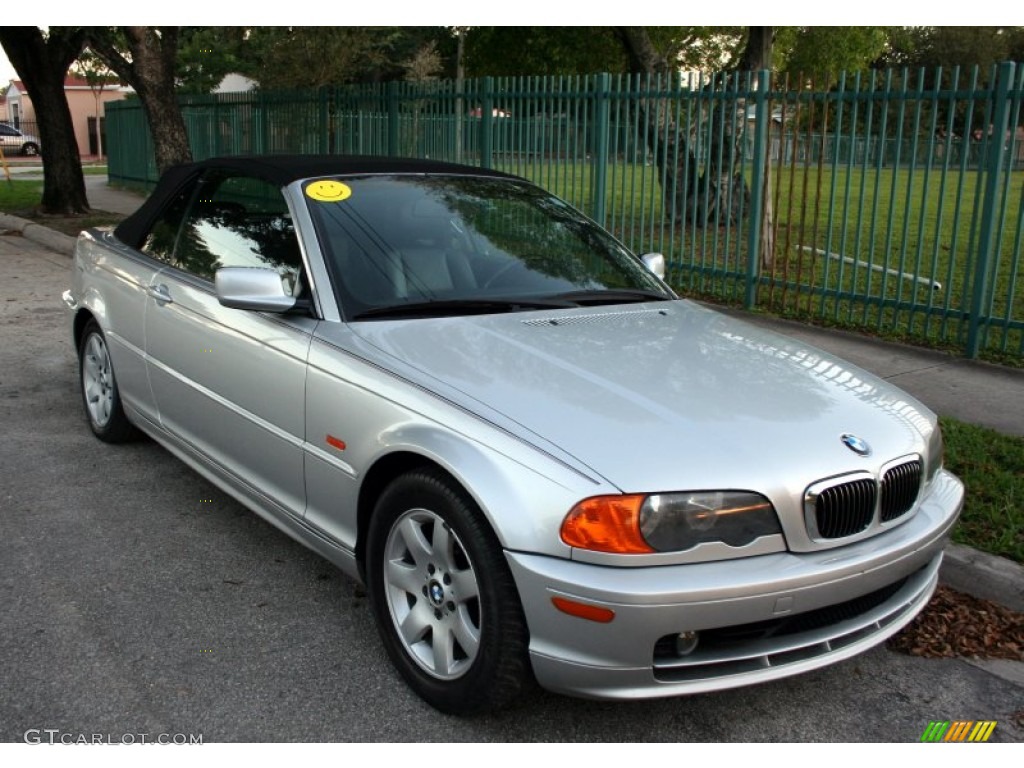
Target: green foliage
x,y
91,68
948,47
708,49
826,51
311,57
206,55
502,51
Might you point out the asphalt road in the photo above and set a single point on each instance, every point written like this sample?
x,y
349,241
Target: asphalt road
x,y
139,599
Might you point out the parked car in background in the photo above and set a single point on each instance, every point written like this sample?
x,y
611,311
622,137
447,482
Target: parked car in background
x,y
14,141
541,461
495,112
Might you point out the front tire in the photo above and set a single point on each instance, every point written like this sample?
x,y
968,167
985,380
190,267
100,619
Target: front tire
x,y
444,599
100,395
30,149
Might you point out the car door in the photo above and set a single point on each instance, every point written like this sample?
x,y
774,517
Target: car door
x,y
229,383
10,138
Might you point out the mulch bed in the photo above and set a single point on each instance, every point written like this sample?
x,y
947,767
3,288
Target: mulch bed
x,y
955,624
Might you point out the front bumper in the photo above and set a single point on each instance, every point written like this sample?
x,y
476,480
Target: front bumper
x,y
835,603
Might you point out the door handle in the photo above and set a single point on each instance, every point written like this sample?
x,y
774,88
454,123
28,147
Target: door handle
x,y
160,293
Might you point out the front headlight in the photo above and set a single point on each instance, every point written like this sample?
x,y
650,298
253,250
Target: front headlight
x,y
674,522
669,522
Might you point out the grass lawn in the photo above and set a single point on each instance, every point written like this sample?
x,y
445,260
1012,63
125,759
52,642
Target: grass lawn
x,y
992,467
19,196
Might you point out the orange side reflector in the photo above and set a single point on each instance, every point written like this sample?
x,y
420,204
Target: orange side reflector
x,y
335,442
583,611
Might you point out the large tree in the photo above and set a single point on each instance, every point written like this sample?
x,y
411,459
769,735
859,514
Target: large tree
x,y
313,57
827,51
586,50
504,51
42,60
146,59
715,192
667,142
207,54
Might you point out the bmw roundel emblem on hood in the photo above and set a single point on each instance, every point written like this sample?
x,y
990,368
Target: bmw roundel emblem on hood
x,y
856,444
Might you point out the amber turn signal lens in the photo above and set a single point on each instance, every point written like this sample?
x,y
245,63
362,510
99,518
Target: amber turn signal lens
x,y
583,610
606,524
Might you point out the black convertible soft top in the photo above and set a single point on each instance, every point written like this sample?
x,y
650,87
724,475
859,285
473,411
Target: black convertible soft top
x,y
280,170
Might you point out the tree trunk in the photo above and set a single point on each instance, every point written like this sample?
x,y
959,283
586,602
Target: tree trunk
x,y
42,64
673,155
758,55
167,127
724,194
724,191
150,71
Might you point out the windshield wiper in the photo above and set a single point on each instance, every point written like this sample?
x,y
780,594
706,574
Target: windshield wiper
x,y
441,308
612,296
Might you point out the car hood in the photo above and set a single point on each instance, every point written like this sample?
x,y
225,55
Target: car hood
x,y
660,396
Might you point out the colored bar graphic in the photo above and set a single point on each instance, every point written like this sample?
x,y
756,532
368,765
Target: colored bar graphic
x,y
958,730
982,730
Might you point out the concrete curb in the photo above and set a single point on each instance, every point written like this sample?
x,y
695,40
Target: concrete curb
x,y
37,233
964,569
983,575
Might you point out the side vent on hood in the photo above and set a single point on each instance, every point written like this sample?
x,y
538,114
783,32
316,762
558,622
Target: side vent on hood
x,y
593,317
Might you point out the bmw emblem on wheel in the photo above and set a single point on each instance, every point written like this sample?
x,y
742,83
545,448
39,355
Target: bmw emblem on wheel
x,y
856,444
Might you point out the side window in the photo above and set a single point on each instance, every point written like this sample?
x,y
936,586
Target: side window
x,y
236,221
159,243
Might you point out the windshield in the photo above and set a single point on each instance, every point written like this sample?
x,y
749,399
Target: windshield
x,y
457,244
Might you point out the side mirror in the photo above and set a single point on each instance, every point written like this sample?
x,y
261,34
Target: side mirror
x,y
252,288
655,262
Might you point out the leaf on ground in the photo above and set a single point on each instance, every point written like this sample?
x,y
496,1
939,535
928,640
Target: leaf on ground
x,y
955,624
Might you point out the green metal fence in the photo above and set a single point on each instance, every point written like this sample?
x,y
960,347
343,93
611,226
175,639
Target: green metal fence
x,y
888,200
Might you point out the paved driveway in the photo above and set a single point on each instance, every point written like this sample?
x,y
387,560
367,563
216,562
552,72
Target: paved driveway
x,y
138,599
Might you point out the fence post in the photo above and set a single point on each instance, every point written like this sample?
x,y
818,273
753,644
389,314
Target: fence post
x,y
599,161
264,125
487,124
392,95
990,210
217,151
326,129
757,190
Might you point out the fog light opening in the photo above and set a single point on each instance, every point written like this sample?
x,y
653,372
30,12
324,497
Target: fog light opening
x,y
686,642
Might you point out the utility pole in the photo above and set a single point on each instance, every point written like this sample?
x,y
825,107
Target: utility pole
x,y
460,84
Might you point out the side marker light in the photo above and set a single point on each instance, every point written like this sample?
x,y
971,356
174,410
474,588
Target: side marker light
x,y
583,610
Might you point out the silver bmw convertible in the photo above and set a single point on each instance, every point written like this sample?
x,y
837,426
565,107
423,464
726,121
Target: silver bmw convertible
x,y
544,465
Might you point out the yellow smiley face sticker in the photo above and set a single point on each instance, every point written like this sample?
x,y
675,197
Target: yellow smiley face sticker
x,y
328,191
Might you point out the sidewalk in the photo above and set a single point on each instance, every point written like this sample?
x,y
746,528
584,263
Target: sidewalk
x,y
105,198
967,390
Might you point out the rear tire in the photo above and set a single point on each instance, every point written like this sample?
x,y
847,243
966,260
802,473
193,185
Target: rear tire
x,y
100,395
30,149
443,597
